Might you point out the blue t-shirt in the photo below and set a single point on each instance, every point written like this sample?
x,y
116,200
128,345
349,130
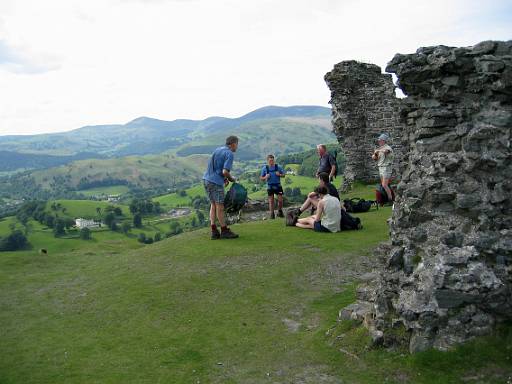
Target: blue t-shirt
x,y
222,158
273,179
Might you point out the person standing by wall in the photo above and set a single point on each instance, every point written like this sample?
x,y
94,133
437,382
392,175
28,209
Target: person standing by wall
x,y
326,163
215,178
383,155
272,173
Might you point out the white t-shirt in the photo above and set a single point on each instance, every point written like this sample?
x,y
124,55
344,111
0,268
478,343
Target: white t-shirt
x,y
331,214
385,160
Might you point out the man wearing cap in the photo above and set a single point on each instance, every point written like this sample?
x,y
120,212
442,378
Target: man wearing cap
x,y
384,157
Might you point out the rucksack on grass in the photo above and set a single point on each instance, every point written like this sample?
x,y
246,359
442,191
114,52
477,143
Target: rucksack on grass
x,y
381,197
235,198
349,222
358,205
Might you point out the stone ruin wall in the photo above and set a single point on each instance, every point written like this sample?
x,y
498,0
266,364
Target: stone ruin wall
x,y
363,106
446,275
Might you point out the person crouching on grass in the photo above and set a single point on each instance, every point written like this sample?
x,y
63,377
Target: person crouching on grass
x,y
272,173
328,214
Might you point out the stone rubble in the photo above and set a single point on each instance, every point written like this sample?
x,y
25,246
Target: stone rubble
x,y
363,106
446,275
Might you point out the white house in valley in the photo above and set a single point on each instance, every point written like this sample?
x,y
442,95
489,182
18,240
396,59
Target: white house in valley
x,y
85,223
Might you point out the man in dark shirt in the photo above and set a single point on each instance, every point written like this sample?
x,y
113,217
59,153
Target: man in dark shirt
x,y
326,163
313,198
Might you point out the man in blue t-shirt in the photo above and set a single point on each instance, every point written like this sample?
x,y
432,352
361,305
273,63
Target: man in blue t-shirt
x,y
272,173
215,178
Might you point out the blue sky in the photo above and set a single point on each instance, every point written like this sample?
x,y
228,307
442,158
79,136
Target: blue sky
x,y
69,63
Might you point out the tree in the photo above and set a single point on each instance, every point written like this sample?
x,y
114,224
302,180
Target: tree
x,y
182,193
175,227
126,227
69,222
118,211
49,220
158,236
137,220
200,216
193,222
85,234
110,220
141,238
16,240
58,228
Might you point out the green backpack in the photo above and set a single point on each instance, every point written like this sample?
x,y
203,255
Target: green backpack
x,y
235,198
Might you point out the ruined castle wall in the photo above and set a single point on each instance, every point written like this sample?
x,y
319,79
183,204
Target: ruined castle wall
x,y
363,106
447,275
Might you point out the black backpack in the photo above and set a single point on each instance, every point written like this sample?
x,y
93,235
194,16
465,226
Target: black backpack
x,y
235,198
349,222
358,205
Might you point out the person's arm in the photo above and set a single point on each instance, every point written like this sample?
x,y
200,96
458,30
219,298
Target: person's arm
x,y
264,175
227,175
280,172
319,210
333,171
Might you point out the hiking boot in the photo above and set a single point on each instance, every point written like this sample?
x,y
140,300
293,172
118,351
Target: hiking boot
x,y
272,215
280,213
215,235
228,234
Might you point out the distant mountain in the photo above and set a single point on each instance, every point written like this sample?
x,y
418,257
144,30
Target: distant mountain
x,y
144,135
11,161
151,154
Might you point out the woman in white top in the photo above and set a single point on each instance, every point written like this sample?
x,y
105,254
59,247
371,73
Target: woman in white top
x,y
328,214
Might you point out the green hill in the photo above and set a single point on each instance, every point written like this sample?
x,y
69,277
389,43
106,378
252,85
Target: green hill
x,y
258,309
146,135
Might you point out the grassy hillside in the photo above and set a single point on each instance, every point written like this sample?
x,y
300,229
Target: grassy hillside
x,y
253,310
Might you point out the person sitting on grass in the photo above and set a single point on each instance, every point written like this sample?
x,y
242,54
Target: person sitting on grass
x,y
312,199
328,213
272,173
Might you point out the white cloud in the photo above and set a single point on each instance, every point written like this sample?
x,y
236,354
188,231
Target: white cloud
x,y
109,61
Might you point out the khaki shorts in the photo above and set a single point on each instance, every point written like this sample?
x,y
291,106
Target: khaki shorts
x,y
385,172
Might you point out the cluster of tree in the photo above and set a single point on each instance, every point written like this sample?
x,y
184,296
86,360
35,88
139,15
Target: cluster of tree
x,y
37,211
14,241
200,202
143,238
145,207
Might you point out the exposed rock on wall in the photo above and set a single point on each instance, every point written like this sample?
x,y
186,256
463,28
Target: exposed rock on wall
x,y
447,274
363,106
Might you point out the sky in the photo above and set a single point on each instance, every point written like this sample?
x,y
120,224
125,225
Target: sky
x,y
65,64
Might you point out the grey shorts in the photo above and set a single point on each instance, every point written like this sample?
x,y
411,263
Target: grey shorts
x,y
214,192
385,172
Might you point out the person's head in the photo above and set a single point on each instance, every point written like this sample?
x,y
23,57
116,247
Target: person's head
x,y
323,178
321,149
232,143
321,191
271,160
383,139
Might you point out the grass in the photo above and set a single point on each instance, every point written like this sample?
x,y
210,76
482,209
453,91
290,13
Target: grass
x,y
188,310
112,190
85,208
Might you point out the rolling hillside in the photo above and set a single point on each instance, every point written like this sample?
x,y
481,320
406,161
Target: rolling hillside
x,y
146,135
